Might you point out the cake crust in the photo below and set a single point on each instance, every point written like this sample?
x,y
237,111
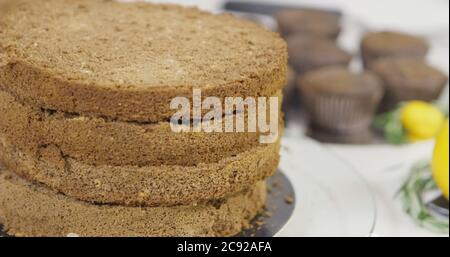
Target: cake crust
x,y
28,209
127,61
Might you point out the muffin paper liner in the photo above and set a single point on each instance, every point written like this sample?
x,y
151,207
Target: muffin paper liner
x,y
341,114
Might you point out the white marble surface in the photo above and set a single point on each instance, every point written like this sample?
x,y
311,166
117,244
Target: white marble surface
x,y
332,198
386,168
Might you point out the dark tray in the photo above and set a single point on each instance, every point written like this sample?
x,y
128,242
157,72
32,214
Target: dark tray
x,y
279,208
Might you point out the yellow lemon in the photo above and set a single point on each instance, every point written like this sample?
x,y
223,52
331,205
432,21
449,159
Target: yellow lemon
x,y
421,120
440,160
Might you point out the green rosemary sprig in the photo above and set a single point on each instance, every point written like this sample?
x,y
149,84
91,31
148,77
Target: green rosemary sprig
x,y
391,126
411,193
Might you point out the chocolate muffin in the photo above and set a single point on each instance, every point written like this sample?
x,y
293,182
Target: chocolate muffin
x,y
382,44
340,104
309,23
308,53
408,79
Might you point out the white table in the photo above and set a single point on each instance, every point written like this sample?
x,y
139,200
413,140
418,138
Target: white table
x,y
386,168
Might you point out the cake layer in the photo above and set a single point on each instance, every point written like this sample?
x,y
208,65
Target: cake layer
x,y
98,141
28,209
127,61
143,186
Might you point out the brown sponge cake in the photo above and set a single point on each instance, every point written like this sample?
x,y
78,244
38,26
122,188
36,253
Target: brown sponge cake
x,y
161,185
8,5
28,209
99,141
87,145
127,61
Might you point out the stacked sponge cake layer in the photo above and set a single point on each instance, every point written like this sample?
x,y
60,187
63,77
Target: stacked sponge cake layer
x,y
85,136
143,186
102,58
100,141
129,163
33,210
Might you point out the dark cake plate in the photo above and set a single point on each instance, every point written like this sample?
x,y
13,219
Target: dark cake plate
x,y
279,208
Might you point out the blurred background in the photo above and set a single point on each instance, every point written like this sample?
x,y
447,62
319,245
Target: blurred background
x,y
428,18
390,164
399,156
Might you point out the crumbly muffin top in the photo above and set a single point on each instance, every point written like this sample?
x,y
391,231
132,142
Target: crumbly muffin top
x,y
409,72
318,50
392,42
338,80
137,44
309,21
